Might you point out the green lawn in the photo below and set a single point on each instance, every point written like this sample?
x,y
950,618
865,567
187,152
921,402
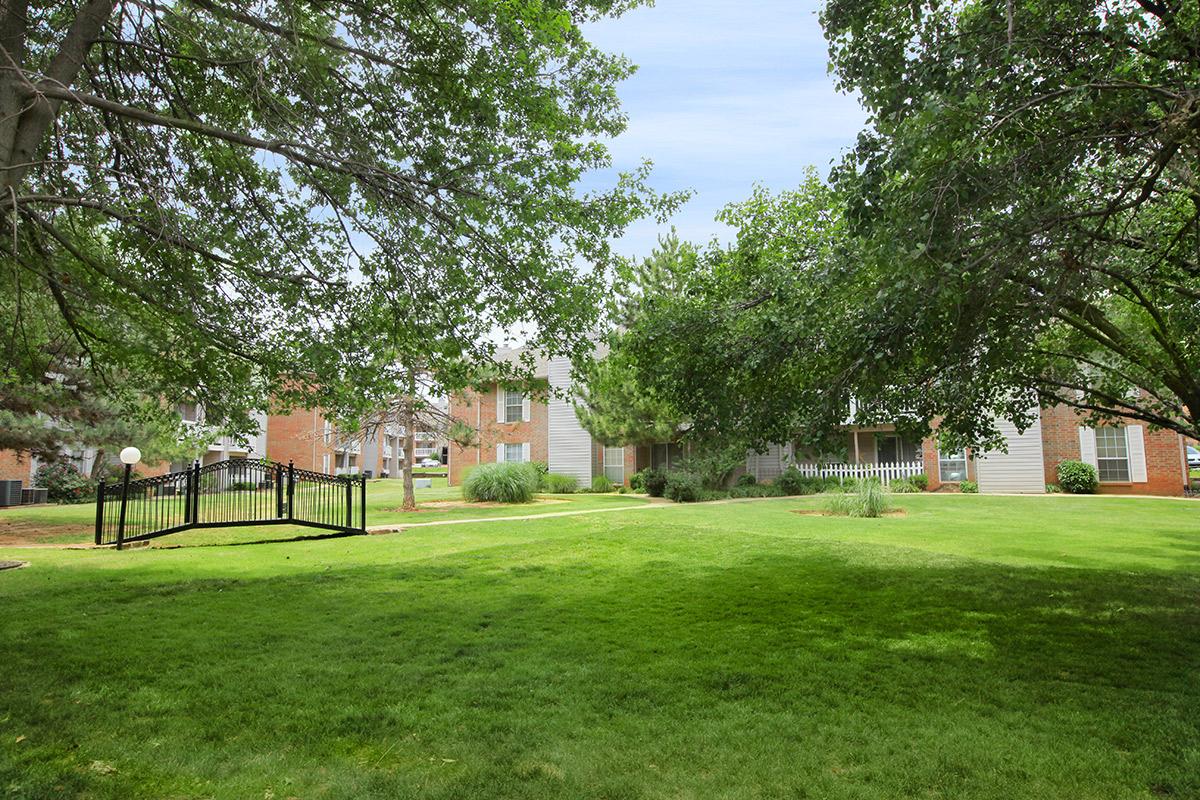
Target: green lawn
x,y
75,523
978,647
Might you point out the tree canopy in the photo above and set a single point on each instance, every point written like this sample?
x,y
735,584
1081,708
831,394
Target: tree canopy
x,y
1019,225
224,202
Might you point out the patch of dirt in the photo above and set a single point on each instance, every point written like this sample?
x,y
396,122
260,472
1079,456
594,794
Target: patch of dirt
x,y
820,512
449,505
13,564
16,531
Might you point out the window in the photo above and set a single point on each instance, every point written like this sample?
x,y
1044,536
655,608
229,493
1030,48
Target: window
x,y
662,456
513,452
952,467
514,406
893,449
614,464
1112,454
190,412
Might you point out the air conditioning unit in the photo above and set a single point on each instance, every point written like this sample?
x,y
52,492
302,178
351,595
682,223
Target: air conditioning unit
x,y
10,493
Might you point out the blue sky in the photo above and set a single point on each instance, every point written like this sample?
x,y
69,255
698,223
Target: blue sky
x,y
727,94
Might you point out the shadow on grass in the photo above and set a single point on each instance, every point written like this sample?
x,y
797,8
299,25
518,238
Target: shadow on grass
x,y
565,669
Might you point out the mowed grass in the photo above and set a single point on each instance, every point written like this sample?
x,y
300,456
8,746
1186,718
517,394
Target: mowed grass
x,y
68,524
978,647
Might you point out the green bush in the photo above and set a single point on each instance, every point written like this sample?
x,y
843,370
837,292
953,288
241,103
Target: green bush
x,y
683,487
1077,477
869,499
903,486
558,484
791,481
968,487
756,490
541,468
745,479
637,481
64,483
655,481
1053,488
920,481
505,482
601,484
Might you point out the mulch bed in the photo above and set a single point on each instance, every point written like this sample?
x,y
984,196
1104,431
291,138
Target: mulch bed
x,y
819,512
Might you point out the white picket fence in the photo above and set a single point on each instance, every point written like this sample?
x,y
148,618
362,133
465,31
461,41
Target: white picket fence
x,y
884,472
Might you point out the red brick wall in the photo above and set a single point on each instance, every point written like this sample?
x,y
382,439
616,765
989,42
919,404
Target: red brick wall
x,y
299,437
14,466
479,411
1164,454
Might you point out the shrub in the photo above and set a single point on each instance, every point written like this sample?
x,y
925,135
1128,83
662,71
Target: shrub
x,y
713,466
64,483
920,481
867,500
968,487
558,484
1077,477
540,467
1053,488
683,487
637,481
756,490
601,484
790,482
903,486
505,482
746,479
656,482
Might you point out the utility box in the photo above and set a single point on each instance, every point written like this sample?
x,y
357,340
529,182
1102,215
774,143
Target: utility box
x,y
10,493
422,483
33,495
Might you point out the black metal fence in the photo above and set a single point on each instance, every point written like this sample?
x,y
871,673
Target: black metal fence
x,y
239,491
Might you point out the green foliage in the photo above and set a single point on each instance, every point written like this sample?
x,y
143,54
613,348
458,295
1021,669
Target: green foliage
x,y
554,483
968,487
683,487
655,481
1053,488
713,461
601,484
637,481
505,482
64,483
408,175
756,490
540,467
903,486
746,479
868,499
921,481
243,486
1078,477
791,481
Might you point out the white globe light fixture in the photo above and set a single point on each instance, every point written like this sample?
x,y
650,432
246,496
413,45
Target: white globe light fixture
x,y
131,456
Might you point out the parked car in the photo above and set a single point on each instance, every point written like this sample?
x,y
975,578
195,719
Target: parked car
x,y
430,462
1193,457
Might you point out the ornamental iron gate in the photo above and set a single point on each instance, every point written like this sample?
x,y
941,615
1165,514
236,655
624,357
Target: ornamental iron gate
x,y
238,491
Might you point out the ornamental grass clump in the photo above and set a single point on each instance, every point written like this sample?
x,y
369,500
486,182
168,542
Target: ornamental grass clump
x,y
554,483
869,499
506,482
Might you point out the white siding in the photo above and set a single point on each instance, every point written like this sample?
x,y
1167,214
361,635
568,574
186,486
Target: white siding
x,y
569,444
767,466
1021,469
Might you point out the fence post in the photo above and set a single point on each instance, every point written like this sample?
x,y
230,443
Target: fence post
x,y
124,503
279,491
187,497
362,505
291,489
195,498
99,511
349,503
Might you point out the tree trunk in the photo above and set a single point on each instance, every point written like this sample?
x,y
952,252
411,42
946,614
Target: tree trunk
x,y
98,465
410,443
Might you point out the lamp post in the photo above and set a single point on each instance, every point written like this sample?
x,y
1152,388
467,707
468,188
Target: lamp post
x,y
129,457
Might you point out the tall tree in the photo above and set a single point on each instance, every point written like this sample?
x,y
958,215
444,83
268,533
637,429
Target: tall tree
x,y
205,197
1028,199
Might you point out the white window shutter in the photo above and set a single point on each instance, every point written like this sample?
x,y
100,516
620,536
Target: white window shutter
x,y
500,453
1136,443
500,404
525,452
1087,446
525,412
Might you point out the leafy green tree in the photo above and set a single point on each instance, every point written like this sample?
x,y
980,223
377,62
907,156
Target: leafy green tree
x,y
1027,202
222,201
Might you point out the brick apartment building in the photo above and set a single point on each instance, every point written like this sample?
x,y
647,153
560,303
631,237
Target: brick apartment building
x,y
512,426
